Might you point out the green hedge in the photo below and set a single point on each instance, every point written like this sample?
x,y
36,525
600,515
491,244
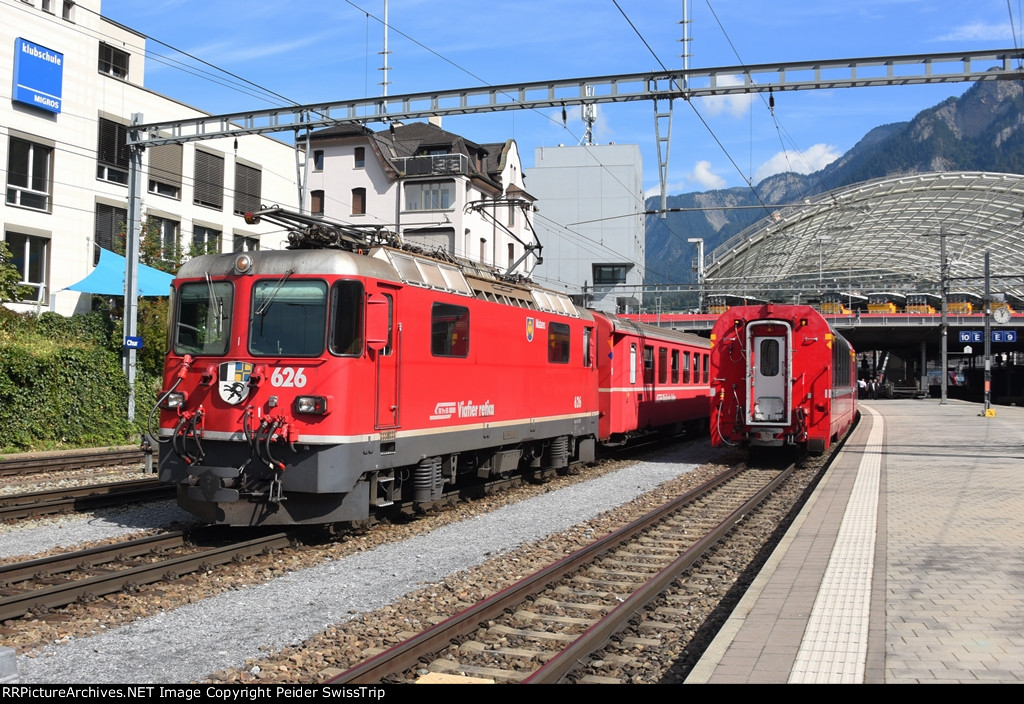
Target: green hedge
x,y
61,383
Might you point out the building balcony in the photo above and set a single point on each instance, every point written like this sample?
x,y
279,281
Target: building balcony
x,y
433,165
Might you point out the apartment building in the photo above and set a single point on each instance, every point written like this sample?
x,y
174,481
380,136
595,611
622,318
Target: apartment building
x,y
76,80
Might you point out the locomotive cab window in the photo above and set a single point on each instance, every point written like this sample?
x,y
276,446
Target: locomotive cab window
x,y
558,343
449,330
202,318
347,318
288,318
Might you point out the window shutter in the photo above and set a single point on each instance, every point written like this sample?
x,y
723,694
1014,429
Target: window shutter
x,y
165,164
209,180
247,189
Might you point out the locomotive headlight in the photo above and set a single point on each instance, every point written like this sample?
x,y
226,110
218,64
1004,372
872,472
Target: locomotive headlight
x,y
243,264
173,400
312,405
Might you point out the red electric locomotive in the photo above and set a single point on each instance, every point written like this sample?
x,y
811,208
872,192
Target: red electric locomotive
x,y
322,384
781,375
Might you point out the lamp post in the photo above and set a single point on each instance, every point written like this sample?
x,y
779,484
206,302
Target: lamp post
x,y
944,326
699,241
821,241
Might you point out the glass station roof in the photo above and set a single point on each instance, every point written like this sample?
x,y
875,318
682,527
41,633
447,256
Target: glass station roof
x,y
882,235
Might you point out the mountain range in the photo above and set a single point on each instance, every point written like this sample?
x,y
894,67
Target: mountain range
x,y
982,130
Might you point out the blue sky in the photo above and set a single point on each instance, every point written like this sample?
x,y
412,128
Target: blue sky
x,y
330,51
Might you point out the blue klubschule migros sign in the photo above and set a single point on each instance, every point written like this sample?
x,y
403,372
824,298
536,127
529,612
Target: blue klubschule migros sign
x,y
38,75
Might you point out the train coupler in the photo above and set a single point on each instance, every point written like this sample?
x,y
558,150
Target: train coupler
x,y
213,484
276,494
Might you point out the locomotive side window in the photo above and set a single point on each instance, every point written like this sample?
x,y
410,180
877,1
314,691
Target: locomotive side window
x,y
588,359
202,319
347,318
675,366
391,323
449,330
662,365
558,343
289,318
769,357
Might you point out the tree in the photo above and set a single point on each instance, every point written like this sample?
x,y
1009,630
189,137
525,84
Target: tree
x,y
11,288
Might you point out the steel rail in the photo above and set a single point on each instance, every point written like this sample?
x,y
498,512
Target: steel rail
x,y
59,595
598,634
36,462
85,498
406,654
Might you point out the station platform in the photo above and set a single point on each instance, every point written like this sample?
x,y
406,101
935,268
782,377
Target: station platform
x,y
905,566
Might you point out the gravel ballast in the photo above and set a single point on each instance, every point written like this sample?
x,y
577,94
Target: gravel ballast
x,y
188,643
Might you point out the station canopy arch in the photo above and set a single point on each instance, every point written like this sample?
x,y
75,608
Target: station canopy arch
x,y
881,235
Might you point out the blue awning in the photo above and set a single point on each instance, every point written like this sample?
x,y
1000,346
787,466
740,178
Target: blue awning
x,y
107,279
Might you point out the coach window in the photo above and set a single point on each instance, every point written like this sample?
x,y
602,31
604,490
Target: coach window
x,y
696,368
587,358
675,366
662,365
289,317
769,357
558,343
632,363
347,318
704,361
686,367
449,330
648,364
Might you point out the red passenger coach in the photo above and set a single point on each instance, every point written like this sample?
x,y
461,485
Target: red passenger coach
x,y
650,378
331,380
781,375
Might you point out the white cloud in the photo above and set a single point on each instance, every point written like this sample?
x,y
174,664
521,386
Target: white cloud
x,y
735,105
979,31
703,175
816,157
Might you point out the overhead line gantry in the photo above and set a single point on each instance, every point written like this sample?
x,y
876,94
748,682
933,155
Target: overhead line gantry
x,y
917,69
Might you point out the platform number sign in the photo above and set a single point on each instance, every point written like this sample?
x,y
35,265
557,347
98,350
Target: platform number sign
x,y
969,336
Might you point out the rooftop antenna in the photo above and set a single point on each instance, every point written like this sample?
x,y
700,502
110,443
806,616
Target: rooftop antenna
x,y
589,113
384,68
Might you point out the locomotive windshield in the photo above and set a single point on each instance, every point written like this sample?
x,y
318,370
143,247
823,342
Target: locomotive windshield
x,y
202,318
289,318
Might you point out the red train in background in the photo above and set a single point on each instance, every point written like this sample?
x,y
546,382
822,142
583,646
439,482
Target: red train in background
x,y
330,380
781,375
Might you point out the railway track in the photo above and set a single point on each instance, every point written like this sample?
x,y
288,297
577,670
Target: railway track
x,y
37,586
83,498
37,462
540,628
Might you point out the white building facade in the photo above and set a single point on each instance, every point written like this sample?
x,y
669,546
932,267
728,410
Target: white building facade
x,y
76,80
591,222
433,188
